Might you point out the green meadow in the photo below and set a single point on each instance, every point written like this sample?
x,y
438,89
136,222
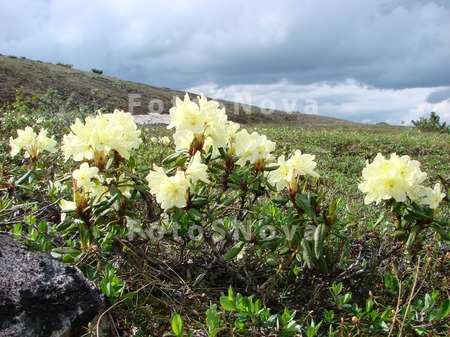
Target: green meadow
x,y
376,279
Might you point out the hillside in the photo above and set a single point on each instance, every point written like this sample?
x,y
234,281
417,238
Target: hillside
x,y
36,77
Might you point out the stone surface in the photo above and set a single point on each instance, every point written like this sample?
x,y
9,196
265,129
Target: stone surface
x,y
40,296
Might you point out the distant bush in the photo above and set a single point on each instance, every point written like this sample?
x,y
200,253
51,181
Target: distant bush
x,y
97,71
66,65
12,56
431,124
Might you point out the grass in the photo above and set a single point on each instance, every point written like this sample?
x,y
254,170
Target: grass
x,y
341,154
149,280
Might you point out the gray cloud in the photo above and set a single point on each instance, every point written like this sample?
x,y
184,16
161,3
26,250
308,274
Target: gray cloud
x,y
380,44
439,96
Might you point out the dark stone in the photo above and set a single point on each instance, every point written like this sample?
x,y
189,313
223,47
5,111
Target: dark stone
x,y
40,296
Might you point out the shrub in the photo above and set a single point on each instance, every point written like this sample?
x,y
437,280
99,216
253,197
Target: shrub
x,y
164,229
431,124
97,71
65,65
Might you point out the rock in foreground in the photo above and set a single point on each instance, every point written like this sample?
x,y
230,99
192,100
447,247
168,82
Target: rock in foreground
x,y
40,296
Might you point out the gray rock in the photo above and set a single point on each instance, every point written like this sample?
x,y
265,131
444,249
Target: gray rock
x,y
40,296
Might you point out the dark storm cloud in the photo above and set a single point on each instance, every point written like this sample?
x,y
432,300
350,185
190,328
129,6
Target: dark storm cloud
x,y
387,44
392,45
439,96
401,49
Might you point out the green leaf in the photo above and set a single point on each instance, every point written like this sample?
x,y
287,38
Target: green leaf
x,y
17,229
170,159
214,332
104,208
177,325
199,202
234,251
322,263
223,153
195,215
43,226
305,205
427,302
369,304
235,186
412,236
23,178
444,235
421,331
337,288
271,167
307,254
227,304
444,309
67,224
319,237
66,254
399,233
281,202
229,201
140,188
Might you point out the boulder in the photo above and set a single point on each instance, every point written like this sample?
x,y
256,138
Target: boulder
x,y
40,296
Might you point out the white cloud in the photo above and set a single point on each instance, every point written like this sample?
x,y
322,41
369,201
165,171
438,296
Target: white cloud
x,y
347,100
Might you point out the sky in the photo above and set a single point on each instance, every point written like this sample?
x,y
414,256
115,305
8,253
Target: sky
x,y
368,61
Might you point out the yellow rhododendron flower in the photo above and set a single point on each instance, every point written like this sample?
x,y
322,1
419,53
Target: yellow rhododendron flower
x,y
32,143
76,144
398,178
253,148
216,120
196,170
304,164
283,176
433,197
84,175
66,206
169,191
164,140
187,115
98,135
183,140
155,179
198,126
289,171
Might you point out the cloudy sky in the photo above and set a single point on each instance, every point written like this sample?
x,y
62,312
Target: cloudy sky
x,y
362,60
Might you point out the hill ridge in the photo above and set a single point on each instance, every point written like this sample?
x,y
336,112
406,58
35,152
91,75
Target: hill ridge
x,y
37,77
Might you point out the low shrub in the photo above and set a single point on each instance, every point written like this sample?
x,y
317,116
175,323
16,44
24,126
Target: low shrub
x,y
171,228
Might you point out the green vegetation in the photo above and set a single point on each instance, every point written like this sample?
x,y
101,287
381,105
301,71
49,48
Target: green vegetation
x,y
65,65
97,71
431,124
350,269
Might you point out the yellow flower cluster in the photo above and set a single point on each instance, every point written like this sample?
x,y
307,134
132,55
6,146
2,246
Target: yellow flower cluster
x,y
173,191
32,143
198,124
94,140
203,126
289,171
253,148
89,182
398,178
97,136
